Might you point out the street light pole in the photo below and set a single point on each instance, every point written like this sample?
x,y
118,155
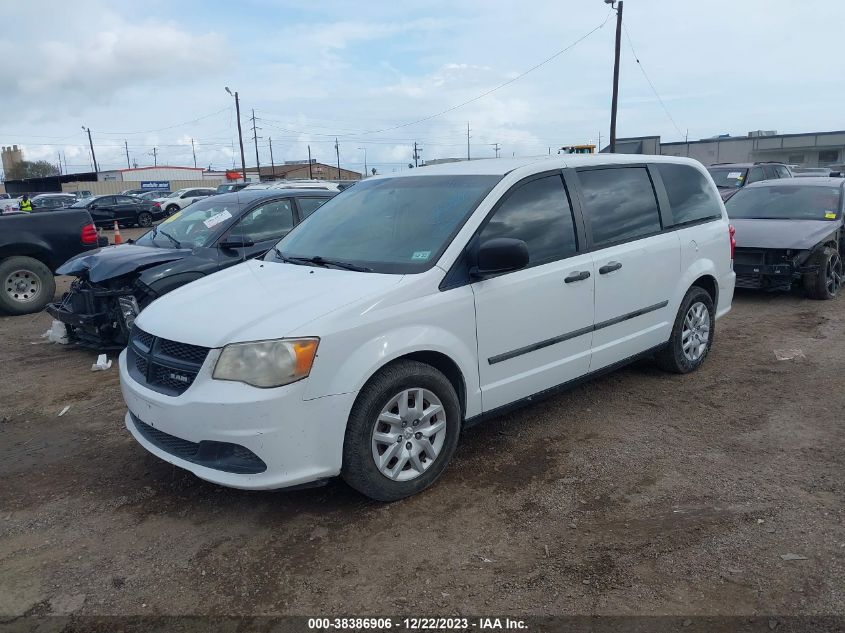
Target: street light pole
x,y
240,133
91,144
337,151
365,161
613,104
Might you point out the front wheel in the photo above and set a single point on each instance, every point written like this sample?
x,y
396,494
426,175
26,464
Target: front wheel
x,y
402,431
692,334
827,281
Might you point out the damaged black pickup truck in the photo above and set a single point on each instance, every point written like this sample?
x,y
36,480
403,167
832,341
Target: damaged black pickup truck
x,y
115,283
790,231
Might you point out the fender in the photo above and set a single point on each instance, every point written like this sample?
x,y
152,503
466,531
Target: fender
x,y
700,268
371,355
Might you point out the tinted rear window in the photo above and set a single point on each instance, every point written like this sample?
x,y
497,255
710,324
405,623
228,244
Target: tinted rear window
x,y
619,204
691,195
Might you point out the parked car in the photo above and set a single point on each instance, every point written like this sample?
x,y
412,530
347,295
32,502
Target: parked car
x,y
153,195
114,284
231,187
32,246
52,201
180,199
126,210
81,193
790,231
811,172
413,306
729,177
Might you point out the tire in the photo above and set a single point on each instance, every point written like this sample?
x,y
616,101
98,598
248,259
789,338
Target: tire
x,y
171,209
145,219
827,281
693,328
379,400
27,285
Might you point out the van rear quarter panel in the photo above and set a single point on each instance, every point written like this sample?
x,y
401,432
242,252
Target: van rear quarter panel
x,y
705,250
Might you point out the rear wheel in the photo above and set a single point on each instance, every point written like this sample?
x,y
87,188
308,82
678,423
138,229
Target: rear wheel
x,y
692,334
402,431
145,219
171,209
826,282
28,285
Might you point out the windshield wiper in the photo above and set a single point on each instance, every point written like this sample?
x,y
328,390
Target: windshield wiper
x,y
168,236
321,261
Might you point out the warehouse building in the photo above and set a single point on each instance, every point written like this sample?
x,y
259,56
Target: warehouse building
x,y
812,149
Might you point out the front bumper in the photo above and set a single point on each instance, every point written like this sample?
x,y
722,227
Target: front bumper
x,y
770,276
299,441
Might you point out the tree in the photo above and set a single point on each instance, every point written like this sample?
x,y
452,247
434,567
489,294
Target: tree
x,y
31,169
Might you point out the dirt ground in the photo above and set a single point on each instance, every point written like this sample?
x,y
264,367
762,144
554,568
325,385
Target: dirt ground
x,y
638,493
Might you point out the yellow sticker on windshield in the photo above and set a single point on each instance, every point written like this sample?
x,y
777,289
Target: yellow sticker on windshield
x,y
830,216
172,217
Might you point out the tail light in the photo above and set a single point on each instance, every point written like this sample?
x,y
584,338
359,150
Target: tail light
x,y
732,233
157,205
88,234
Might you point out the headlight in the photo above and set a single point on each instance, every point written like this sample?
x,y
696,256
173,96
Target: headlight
x,y
267,363
129,309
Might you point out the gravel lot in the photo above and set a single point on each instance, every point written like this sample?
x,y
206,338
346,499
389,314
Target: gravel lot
x,y
638,493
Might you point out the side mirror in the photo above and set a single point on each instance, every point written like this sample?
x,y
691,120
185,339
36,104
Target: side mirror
x,y
234,242
500,255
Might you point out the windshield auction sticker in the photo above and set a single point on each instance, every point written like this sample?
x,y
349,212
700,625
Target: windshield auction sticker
x,y
217,218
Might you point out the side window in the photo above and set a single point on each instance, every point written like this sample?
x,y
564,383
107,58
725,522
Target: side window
x,y
691,195
770,172
126,200
539,214
188,194
755,175
782,171
269,221
307,206
105,201
619,204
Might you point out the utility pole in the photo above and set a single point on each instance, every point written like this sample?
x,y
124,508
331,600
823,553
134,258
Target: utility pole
x,y
599,140
64,157
194,152
310,172
155,157
337,151
126,147
417,151
240,134
468,158
255,140
613,104
272,164
91,144
59,155
365,161
496,148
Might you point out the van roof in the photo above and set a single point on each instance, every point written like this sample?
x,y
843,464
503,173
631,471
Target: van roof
x,y
502,166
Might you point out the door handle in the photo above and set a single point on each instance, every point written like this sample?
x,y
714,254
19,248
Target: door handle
x,y
609,267
577,276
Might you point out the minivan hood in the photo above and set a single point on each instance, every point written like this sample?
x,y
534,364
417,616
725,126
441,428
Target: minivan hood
x,y
794,234
110,262
256,300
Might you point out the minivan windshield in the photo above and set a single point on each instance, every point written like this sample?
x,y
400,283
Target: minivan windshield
x,y
194,226
728,177
785,202
386,225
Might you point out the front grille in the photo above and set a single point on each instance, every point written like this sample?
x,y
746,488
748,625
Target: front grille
x,y
749,256
225,456
168,367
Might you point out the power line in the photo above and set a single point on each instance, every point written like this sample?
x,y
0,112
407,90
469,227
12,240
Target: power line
x,y
500,86
170,127
645,74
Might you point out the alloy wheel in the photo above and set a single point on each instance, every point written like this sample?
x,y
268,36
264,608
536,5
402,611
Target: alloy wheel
x,y
409,434
22,286
833,274
695,335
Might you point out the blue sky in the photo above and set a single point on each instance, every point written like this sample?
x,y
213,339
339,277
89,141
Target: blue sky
x,y
153,74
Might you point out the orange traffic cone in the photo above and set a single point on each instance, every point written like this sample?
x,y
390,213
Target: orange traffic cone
x,y
117,238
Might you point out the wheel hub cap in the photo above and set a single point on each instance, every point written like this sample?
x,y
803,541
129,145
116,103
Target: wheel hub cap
x,y
22,286
409,434
695,334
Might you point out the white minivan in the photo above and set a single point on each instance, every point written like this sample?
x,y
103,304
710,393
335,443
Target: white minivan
x,y
413,306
